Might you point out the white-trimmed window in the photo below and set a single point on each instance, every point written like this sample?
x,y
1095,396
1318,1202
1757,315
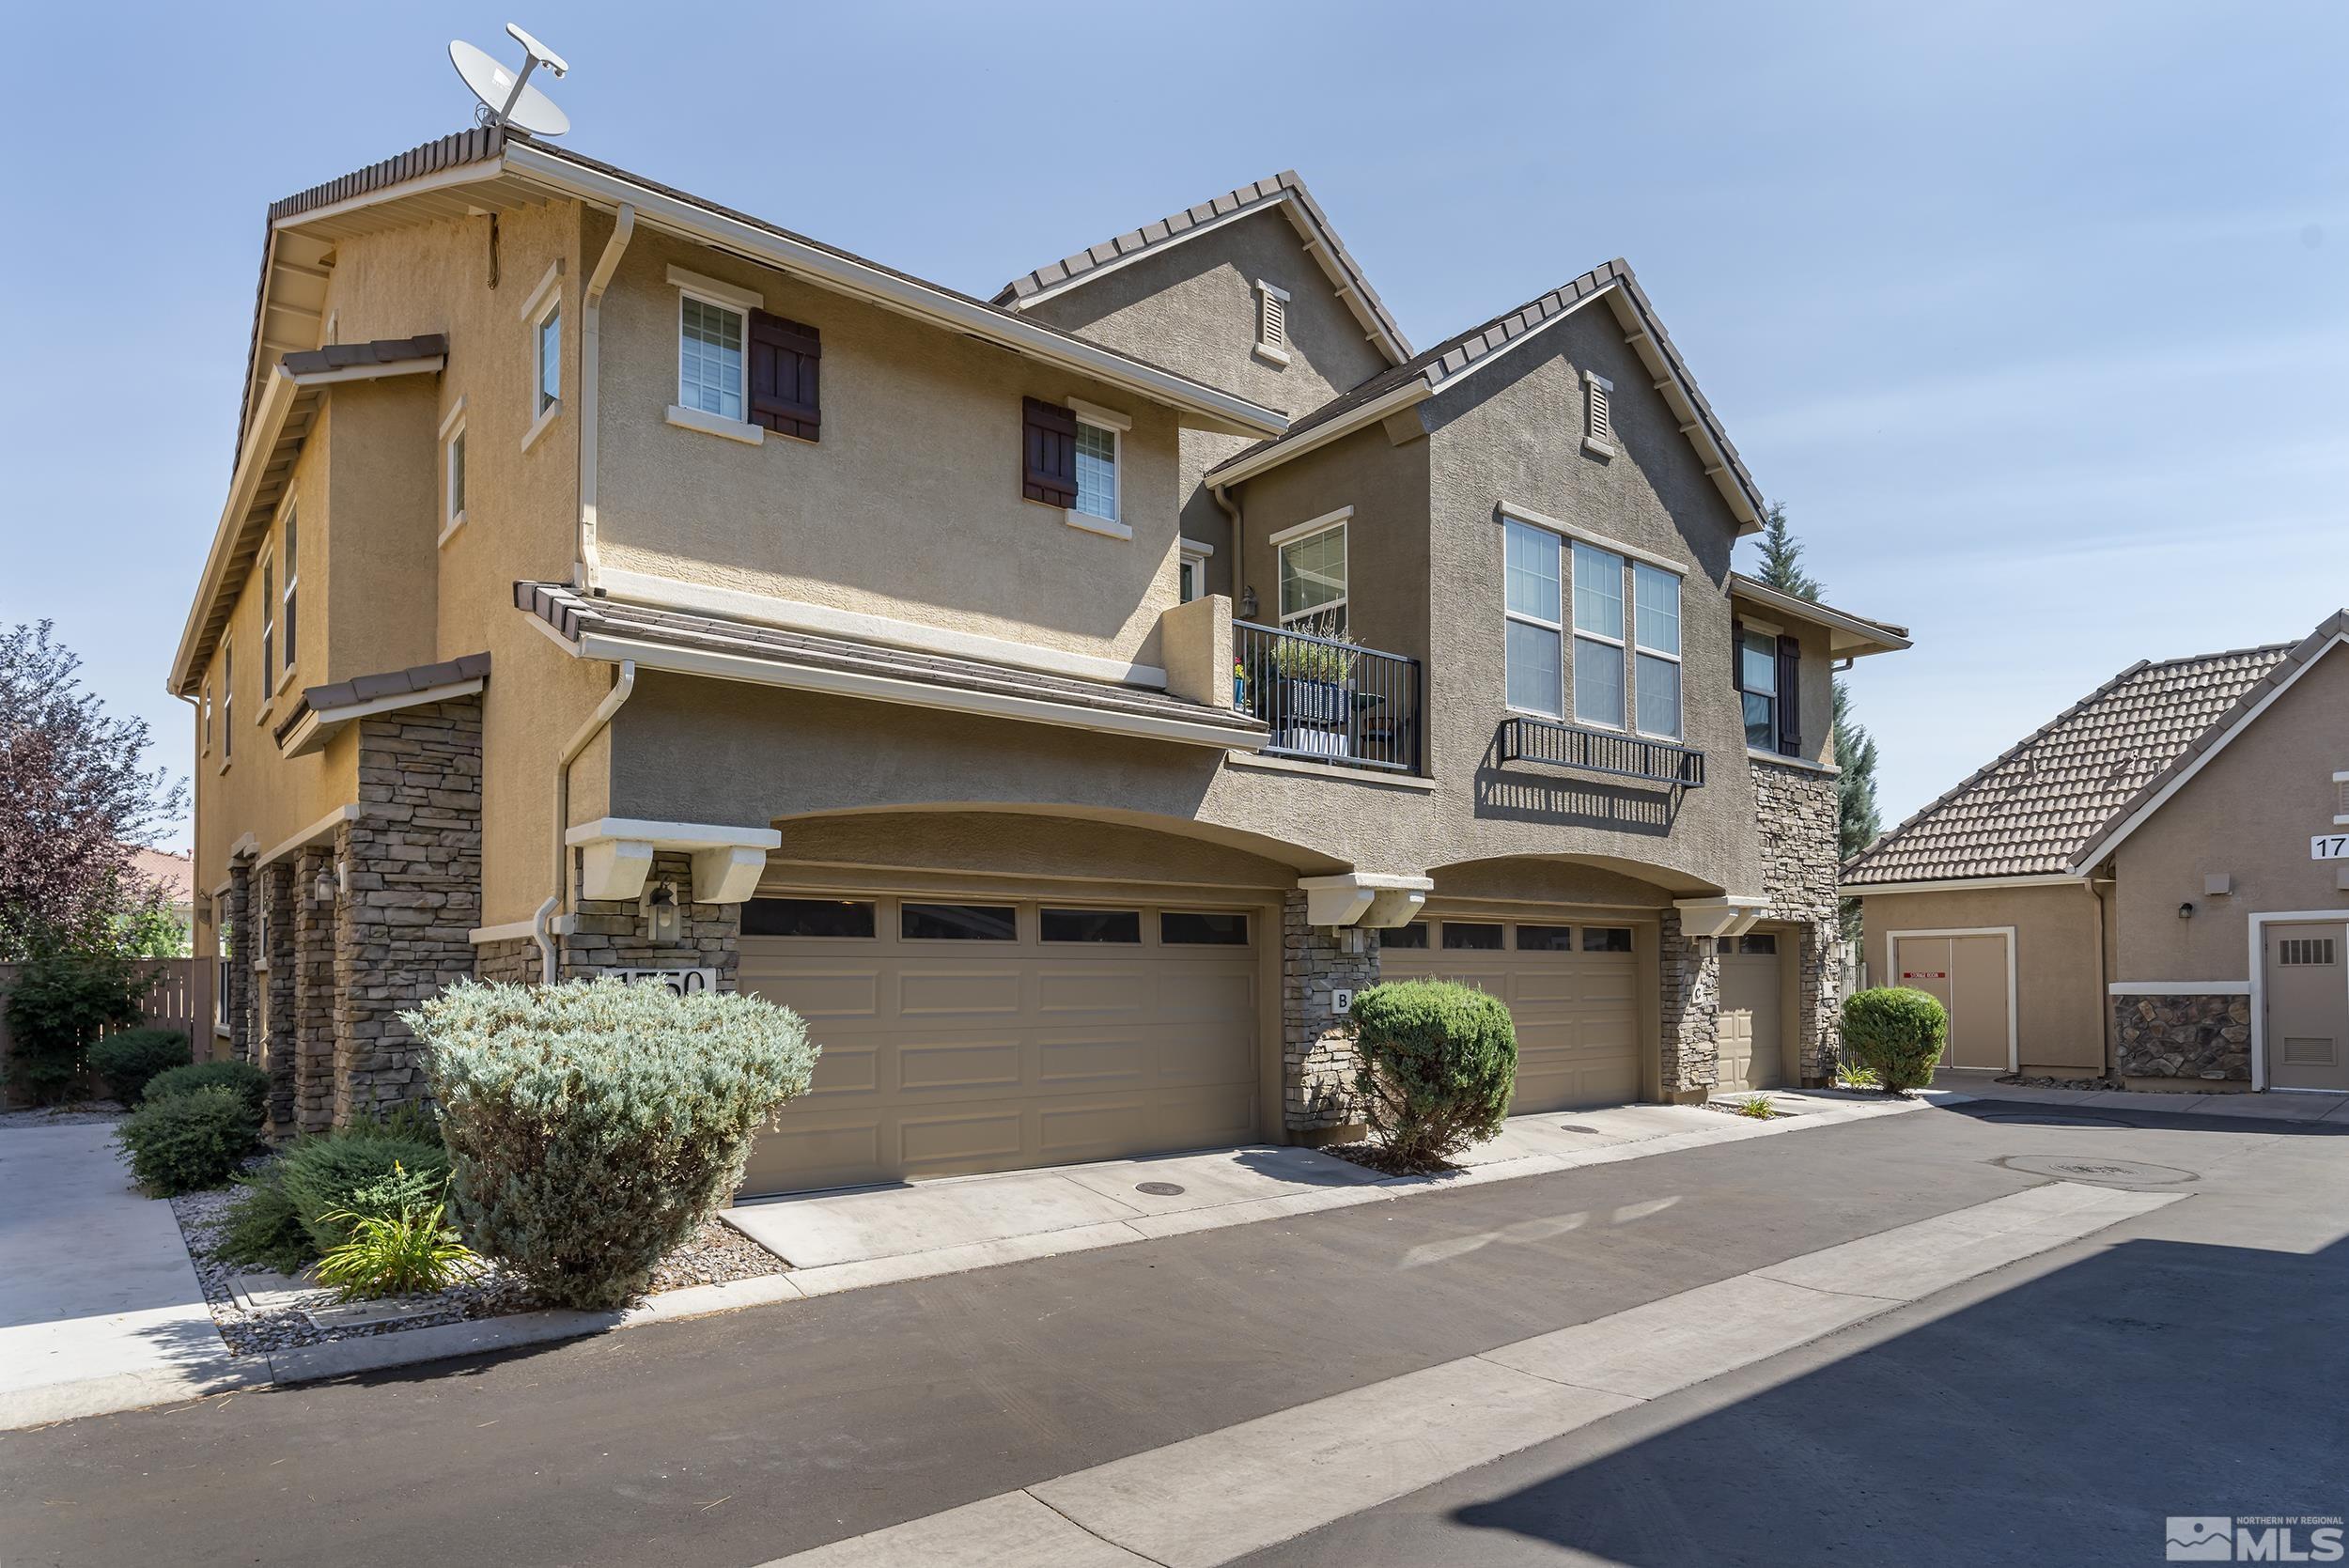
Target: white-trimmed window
x,y
1096,470
290,566
1757,687
453,473
1656,650
1599,636
227,700
712,370
204,725
1312,577
268,622
1536,630
1191,573
1273,323
548,334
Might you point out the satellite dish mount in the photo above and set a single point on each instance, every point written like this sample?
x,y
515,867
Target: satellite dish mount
x,y
506,96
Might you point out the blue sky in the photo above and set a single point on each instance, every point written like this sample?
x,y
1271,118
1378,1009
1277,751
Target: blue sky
x,y
2033,316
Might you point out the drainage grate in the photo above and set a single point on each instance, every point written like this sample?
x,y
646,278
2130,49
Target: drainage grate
x,y
1160,1189
2097,1170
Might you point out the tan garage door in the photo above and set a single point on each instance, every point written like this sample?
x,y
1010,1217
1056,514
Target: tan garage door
x,y
960,1037
1570,988
1754,1033
1970,971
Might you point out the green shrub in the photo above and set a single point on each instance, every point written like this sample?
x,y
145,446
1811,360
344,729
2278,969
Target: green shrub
x,y
594,1126
245,1077
405,1252
187,1143
263,1229
1897,1033
1438,1062
348,1171
129,1061
57,1009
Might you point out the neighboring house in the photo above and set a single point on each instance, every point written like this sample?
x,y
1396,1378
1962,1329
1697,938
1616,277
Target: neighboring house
x,y
613,582
175,874
2155,885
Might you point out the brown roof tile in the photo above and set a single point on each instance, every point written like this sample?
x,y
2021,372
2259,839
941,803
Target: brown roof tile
x,y
382,350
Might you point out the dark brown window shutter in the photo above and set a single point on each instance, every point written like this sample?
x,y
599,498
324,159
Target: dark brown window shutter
x,y
1789,696
1738,659
785,356
1049,465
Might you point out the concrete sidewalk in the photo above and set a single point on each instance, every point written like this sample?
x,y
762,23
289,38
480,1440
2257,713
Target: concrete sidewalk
x,y
1955,1088
100,1307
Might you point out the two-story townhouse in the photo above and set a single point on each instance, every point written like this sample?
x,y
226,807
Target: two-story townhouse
x,y
802,627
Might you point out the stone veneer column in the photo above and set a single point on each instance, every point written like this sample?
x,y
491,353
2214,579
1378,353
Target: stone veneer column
x,y
277,1049
402,931
1317,1056
313,994
1798,817
237,1006
1692,975
2206,1036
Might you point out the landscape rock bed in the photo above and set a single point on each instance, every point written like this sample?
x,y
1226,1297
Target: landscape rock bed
x,y
1376,1157
2045,1082
80,1115
716,1253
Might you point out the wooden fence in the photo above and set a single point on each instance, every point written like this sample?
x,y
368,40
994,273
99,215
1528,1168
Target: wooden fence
x,y
181,1000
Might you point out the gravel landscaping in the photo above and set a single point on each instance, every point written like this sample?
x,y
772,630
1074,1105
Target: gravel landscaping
x,y
1376,1157
83,1113
715,1254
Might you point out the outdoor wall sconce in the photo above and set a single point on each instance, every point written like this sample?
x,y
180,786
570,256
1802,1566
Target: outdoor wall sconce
x,y
1248,603
662,915
2186,912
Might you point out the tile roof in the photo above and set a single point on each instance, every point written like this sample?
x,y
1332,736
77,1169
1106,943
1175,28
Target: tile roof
x,y
572,614
397,683
1454,356
1282,187
2054,792
381,350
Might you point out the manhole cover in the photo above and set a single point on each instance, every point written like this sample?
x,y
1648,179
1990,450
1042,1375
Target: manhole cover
x,y
2097,1170
2052,1119
1160,1189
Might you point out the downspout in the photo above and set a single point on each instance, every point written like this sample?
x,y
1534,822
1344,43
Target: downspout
x,y
588,572
2103,966
539,933
1231,511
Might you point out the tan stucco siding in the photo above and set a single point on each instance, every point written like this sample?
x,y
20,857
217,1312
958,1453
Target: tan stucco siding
x,y
2059,987
908,507
2248,814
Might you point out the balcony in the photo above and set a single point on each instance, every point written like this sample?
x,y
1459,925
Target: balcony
x,y
1594,751
1327,700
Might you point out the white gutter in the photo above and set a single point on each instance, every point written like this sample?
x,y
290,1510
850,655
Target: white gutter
x,y
881,286
1742,586
621,691
1965,884
589,564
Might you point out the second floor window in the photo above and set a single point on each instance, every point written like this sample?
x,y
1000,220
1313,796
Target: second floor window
x,y
1534,633
1097,471
268,624
550,390
228,701
1312,581
1757,687
1599,644
1655,643
1565,601
205,728
291,562
710,367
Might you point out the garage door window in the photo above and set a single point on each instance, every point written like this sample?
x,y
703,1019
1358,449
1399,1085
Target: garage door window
x,y
1757,941
1606,939
1545,938
1413,934
958,923
1203,928
1091,925
807,917
1470,934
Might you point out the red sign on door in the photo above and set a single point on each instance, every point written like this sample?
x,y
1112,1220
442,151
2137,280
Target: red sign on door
x,y
1924,974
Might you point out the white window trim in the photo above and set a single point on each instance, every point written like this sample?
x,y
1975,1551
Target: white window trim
x,y
205,724
1738,655
530,311
265,565
1117,424
1592,441
738,301
1299,534
1641,650
227,702
1266,349
1559,627
1197,550
1622,722
547,299
292,580
1194,555
1590,536
452,432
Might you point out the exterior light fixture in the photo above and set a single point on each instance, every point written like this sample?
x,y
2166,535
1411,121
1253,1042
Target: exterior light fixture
x,y
1248,603
323,890
2186,912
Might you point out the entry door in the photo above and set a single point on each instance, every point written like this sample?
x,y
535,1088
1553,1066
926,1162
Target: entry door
x,y
1968,975
2308,1006
1752,1038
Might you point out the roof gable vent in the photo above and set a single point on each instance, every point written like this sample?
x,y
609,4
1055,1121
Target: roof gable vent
x,y
1598,427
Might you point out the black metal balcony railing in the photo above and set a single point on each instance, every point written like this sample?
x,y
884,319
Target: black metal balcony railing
x,y
1625,757
1327,700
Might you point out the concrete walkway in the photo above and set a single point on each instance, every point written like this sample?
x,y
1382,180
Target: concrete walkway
x,y
100,1308
2333,1109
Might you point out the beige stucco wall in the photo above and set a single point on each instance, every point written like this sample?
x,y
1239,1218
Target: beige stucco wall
x,y
1193,307
909,505
2059,1001
2249,814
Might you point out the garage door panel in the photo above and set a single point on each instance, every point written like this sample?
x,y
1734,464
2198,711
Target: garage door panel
x,y
1184,1057
822,1150
958,991
846,1069
1123,990
958,1141
1195,994
958,1064
1093,1127
827,995
1092,1061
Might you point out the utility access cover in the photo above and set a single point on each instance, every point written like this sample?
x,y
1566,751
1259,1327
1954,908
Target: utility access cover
x,y
2098,1169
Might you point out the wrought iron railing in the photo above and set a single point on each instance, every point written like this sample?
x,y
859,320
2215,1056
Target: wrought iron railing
x,y
1591,751
1328,700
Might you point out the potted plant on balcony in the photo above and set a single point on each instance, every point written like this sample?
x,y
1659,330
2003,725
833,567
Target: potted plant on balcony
x,y
1315,662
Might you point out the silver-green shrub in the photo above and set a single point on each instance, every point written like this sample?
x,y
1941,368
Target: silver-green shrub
x,y
593,1125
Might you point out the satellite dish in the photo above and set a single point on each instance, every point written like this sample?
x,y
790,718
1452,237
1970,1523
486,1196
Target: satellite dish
x,y
507,95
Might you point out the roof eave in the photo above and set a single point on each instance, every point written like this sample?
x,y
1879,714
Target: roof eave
x,y
1850,636
1248,466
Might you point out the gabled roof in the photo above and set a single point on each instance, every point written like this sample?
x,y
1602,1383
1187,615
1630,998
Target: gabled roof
x,y
1423,376
1283,191
1849,636
2058,801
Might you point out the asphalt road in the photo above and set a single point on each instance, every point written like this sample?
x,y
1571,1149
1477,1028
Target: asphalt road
x,y
2051,1413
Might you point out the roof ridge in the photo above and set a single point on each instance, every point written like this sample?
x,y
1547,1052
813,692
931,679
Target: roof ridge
x,y
2228,652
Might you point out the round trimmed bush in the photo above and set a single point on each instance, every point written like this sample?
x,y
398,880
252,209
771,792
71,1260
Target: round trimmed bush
x,y
248,1081
1898,1032
187,1143
594,1127
128,1060
1437,1065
